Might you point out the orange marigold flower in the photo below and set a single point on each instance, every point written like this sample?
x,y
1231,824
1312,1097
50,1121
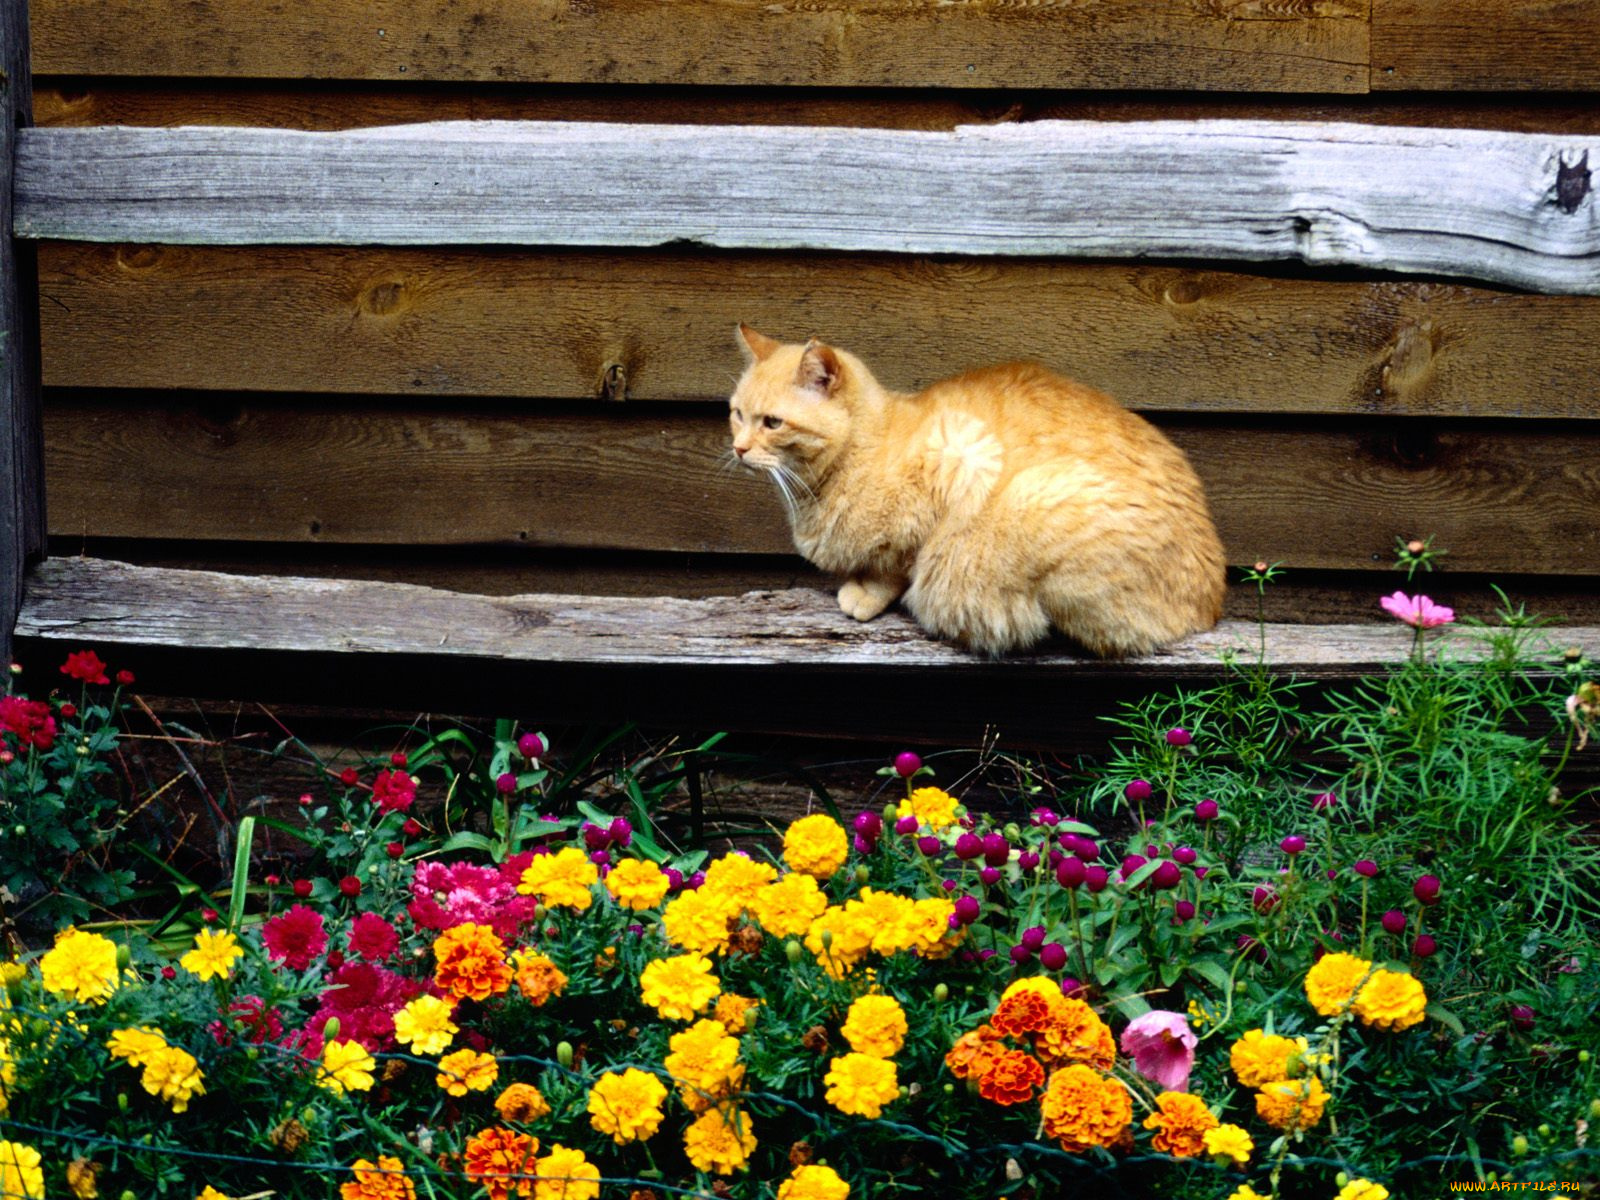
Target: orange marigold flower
x,y
1292,1104
875,1025
1083,1108
816,845
1260,1057
1026,1008
522,1103
637,883
1078,1035
973,1051
1333,980
1181,1121
680,986
470,962
565,1174
467,1071
720,1140
382,1180
861,1085
1010,1078
736,1014
502,1160
538,978
1392,1000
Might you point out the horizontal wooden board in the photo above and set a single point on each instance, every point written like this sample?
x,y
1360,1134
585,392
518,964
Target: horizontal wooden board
x,y
511,322
1317,45
1505,498
1504,207
1486,45
316,105
72,599
1295,597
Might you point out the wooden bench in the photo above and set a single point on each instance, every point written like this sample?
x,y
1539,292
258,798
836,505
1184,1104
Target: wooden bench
x,y
348,311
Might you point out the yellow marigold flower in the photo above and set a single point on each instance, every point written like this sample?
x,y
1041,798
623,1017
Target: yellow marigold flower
x,y
1260,1057
467,1071
1181,1121
699,920
522,1103
627,1105
1392,1000
738,877
80,966
1333,980
840,940
704,1063
927,927
346,1067
561,880
736,1014
787,908
566,1174
876,1025
470,962
1083,1108
1229,1145
173,1074
1362,1189
213,955
814,1183
136,1046
861,1085
83,1178
1291,1104
209,1193
720,1140
21,1176
425,1024
538,978
816,845
679,987
1245,1192
637,883
381,1180
933,807
501,1161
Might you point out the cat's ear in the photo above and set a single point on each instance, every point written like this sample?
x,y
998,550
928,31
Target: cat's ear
x,y
759,344
819,369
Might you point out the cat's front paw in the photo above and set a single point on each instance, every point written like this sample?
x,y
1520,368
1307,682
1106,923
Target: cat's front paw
x,y
864,600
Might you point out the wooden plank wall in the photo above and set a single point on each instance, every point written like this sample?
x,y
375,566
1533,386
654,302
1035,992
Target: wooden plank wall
x,y
521,420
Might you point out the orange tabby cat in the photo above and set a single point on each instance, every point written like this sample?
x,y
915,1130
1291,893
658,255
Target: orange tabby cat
x,y
998,503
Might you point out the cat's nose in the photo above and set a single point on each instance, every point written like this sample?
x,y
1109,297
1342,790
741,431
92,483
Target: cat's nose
x,y
741,451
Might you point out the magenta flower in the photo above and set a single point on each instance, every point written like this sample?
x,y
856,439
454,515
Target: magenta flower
x,y
1418,611
1161,1045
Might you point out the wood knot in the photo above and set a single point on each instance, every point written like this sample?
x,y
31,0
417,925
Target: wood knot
x,y
1408,366
1572,183
383,298
139,258
613,385
1183,291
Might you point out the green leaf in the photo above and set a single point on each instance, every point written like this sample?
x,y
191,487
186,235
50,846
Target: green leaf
x,y
466,840
1448,1019
1213,973
241,872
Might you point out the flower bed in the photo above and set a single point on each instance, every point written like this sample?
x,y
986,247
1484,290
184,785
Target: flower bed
x,y
1223,969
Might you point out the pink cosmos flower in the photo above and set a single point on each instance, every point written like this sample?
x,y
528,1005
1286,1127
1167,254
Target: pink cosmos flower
x,y
1161,1045
1418,611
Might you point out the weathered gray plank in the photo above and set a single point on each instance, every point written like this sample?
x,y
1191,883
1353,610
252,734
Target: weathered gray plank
x,y
73,600
1511,208
21,453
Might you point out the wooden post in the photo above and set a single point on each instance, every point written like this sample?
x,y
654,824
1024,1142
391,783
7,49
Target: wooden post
x,y
21,447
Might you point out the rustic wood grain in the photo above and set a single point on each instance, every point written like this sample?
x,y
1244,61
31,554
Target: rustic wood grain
x,y
1318,46
1486,45
1504,497
300,104
511,322
1469,202
21,459
71,599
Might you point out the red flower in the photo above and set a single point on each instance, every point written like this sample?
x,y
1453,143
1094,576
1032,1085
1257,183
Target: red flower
x,y
373,938
295,937
125,678
29,720
85,666
69,710
301,888
397,759
393,791
412,827
348,776
350,886
1010,1078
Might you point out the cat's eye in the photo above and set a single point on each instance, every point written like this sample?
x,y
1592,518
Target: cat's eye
x,y
772,422
738,416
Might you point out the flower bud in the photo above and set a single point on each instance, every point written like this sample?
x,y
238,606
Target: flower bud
x,y
124,956
301,888
1292,845
1264,899
531,745
868,824
793,951
1179,737
1323,801
1167,875
1185,854
990,876
1184,910
1033,938
862,873
826,939
967,909
1071,872
1365,868
891,813
1207,810
1424,946
930,845
1426,889
1137,790
996,850
505,783
594,837
1393,921
1519,1146
941,993
1096,878
906,764
330,1029
1522,1017
564,1053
